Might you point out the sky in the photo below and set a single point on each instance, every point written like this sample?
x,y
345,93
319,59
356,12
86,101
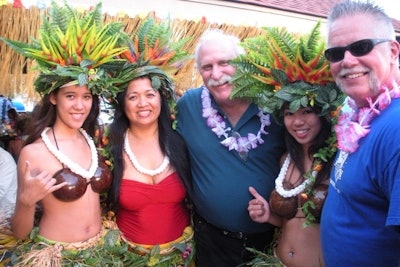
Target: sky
x,y
392,7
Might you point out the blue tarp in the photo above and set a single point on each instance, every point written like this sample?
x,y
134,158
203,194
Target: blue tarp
x,y
19,106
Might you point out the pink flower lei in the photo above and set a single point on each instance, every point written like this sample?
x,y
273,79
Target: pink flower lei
x,y
235,142
354,122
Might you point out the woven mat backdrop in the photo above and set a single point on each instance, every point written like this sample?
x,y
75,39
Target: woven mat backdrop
x,y
17,73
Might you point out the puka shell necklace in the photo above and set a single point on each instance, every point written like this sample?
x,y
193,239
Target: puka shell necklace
x,y
140,168
75,168
281,177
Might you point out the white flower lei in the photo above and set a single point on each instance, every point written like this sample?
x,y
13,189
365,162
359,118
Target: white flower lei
x,y
218,126
281,177
75,168
140,168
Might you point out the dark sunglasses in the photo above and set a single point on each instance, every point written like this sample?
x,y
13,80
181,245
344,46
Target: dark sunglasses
x,y
357,49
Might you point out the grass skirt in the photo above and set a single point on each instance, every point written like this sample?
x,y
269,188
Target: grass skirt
x,y
107,248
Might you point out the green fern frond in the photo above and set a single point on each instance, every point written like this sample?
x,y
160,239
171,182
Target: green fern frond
x,y
60,15
245,84
310,45
141,33
181,53
97,15
160,32
111,30
285,41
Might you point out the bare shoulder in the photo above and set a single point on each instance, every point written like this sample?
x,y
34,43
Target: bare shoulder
x,y
37,155
33,150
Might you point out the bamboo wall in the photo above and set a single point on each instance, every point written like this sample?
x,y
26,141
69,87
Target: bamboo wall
x,y
17,73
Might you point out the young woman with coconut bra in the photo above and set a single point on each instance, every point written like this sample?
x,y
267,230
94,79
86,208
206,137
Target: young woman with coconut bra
x,y
59,168
298,89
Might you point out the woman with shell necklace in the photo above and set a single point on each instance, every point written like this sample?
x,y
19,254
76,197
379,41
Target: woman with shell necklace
x,y
58,154
59,168
301,94
151,173
301,181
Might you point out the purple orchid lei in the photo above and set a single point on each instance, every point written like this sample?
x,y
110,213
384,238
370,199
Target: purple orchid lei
x,y
355,123
217,124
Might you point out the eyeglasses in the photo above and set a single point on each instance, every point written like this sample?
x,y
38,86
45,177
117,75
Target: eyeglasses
x,y
357,49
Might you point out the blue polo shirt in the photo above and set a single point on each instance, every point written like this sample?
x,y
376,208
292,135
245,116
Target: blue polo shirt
x,y
221,178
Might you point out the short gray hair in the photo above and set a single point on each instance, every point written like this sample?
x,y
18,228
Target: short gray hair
x,y
219,36
353,7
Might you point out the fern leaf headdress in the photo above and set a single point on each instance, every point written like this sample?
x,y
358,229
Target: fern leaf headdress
x,y
155,43
153,53
280,69
75,49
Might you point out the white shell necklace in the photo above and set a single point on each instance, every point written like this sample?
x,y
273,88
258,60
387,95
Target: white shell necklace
x,y
140,168
281,177
75,168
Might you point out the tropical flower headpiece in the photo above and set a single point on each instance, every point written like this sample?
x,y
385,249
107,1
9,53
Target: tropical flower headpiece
x,y
75,48
153,53
155,43
281,70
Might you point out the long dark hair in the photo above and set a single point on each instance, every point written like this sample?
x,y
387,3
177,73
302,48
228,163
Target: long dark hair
x,y
45,113
171,143
296,152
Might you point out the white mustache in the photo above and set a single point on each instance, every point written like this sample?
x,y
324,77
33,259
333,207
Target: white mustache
x,y
224,79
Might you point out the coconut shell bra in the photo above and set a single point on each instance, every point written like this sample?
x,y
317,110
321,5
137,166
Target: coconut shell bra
x,y
288,207
76,185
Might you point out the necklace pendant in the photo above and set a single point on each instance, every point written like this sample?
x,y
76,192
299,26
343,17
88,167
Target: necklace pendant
x,y
244,155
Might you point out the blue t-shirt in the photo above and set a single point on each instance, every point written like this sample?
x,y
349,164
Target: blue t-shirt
x,y
360,224
221,177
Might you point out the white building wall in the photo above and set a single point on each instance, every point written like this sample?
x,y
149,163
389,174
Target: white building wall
x,y
213,11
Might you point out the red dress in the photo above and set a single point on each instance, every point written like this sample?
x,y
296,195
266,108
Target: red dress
x,y
152,214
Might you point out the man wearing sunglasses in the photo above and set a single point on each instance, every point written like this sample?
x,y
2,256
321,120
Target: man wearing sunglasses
x,y
360,224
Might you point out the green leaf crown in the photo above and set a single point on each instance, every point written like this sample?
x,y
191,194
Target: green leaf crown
x,y
75,47
154,53
282,69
